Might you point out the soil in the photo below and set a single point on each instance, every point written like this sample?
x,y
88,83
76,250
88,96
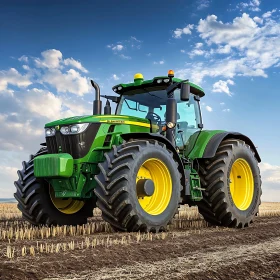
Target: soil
x,y
208,253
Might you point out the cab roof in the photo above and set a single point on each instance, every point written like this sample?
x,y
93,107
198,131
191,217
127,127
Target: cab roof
x,y
153,85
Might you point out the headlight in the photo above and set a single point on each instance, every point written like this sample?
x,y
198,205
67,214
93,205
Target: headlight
x,y
166,80
170,124
74,129
115,89
49,132
119,88
64,130
159,81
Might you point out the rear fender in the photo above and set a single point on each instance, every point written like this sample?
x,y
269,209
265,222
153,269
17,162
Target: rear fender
x,y
216,140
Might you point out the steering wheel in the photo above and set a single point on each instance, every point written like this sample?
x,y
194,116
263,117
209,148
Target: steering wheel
x,y
154,117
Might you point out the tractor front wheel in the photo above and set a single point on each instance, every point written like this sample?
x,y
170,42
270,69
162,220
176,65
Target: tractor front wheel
x,y
38,204
232,184
138,188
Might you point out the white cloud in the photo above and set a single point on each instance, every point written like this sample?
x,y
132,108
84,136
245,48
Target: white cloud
x,y
76,106
198,45
270,181
159,62
24,112
117,48
121,46
74,63
134,42
258,20
182,51
202,4
237,34
135,39
222,103
208,108
148,54
223,49
252,5
13,77
186,30
125,56
51,59
251,48
197,52
115,77
43,103
26,67
23,58
226,110
71,81
221,68
222,86
268,14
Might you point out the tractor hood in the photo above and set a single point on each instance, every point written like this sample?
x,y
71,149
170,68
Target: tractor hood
x,y
100,119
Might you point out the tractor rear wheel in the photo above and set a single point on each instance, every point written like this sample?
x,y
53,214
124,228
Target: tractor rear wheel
x,y
138,187
38,204
232,184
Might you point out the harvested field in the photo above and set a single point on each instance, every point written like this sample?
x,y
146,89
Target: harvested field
x,y
189,250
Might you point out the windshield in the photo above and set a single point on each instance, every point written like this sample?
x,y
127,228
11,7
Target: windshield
x,y
152,106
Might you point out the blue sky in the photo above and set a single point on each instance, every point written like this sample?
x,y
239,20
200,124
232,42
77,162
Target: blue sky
x,y
50,49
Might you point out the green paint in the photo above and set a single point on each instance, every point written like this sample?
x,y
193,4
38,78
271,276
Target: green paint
x,y
113,119
81,183
139,83
200,143
195,188
53,165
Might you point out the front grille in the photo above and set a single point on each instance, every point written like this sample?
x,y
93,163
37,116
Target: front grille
x,y
76,145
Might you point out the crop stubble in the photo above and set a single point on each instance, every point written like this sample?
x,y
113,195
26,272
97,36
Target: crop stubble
x,y
189,250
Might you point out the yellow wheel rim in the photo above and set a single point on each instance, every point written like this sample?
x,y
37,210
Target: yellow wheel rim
x,y
155,170
241,184
66,206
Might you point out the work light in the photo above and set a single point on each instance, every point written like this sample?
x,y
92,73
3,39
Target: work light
x,y
170,124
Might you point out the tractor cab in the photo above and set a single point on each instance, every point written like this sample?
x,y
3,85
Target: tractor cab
x,y
148,99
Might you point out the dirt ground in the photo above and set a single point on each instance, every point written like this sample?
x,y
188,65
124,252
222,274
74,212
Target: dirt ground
x,y
208,253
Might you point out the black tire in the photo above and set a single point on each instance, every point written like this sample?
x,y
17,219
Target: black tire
x,y
217,206
116,186
34,200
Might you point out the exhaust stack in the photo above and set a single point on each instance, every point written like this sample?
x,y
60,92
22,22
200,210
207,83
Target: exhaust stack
x,y
97,103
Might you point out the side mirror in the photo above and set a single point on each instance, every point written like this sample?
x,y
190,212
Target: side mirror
x,y
113,98
185,92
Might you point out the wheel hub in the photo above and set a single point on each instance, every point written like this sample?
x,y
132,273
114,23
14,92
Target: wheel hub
x,y
153,186
145,187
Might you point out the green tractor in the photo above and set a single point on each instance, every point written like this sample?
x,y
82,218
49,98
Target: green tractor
x,y
141,163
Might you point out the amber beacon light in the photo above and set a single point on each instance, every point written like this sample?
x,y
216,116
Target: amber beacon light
x,y
171,73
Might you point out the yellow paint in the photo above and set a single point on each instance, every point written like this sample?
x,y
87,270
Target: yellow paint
x,y
66,206
138,76
241,184
127,122
155,170
113,116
